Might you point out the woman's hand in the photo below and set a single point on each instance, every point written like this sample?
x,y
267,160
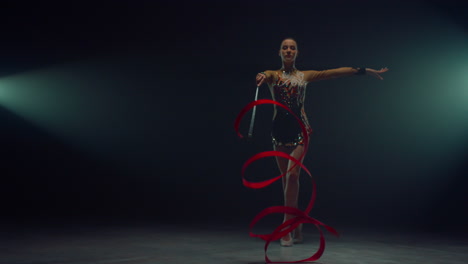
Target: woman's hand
x,y
260,79
376,73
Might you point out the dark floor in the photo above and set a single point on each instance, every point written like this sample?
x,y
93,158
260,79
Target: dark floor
x,y
176,244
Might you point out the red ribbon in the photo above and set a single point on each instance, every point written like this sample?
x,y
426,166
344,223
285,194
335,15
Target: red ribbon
x,y
300,216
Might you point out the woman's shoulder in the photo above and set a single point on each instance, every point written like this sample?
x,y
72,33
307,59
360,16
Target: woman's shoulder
x,y
272,75
310,75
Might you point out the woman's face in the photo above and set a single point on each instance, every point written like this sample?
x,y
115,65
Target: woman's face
x,y
288,50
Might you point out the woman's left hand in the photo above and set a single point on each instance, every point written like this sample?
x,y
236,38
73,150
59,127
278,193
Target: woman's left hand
x,y
376,73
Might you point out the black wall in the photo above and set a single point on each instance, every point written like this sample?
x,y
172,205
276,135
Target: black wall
x,y
124,110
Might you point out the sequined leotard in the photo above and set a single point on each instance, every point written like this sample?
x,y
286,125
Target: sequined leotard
x,y
289,89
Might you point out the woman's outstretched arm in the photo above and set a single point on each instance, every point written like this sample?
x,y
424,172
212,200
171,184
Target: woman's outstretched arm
x,y
311,76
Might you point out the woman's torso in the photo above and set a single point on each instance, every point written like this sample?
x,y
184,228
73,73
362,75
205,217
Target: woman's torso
x,y
289,89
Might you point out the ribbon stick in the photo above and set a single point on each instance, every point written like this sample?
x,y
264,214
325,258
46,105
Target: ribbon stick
x,y
252,120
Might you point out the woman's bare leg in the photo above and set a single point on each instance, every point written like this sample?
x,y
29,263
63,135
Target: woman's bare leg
x,y
291,182
283,167
291,188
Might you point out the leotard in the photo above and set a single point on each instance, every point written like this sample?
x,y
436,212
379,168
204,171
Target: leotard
x,y
289,89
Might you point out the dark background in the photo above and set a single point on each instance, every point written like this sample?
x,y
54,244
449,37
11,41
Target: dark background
x,y
123,111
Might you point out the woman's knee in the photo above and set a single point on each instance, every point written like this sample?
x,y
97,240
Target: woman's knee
x,y
293,176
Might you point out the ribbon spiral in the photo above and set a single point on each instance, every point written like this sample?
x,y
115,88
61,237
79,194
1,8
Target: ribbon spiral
x,y
300,216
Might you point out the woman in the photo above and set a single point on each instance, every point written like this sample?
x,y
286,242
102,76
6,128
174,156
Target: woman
x,y
287,86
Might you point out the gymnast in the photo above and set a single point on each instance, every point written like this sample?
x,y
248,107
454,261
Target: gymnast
x,y
288,86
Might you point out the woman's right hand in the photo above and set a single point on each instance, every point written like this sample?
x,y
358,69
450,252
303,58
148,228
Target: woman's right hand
x,y
261,78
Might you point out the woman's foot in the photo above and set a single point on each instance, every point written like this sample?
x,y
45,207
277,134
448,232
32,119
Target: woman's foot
x,y
298,235
287,241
